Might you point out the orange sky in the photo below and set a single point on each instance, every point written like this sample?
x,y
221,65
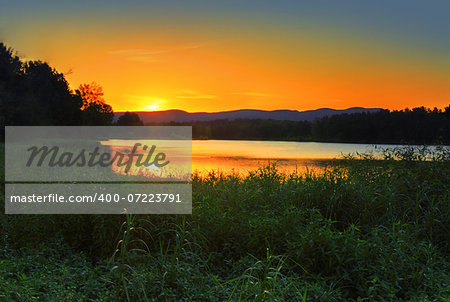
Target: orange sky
x,y
193,67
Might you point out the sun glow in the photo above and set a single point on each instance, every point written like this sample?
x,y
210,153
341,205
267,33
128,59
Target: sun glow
x,y
153,107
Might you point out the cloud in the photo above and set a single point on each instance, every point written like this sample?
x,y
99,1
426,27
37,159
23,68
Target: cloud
x,y
148,55
260,94
138,55
192,45
136,51
142,98
132,96
191,94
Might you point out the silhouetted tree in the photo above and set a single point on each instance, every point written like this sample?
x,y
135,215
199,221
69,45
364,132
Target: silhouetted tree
x,y
447,122
416,126
49,98
129,119
10,70
33,93
95,111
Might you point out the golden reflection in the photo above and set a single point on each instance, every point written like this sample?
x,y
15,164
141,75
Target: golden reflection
x,y
178,160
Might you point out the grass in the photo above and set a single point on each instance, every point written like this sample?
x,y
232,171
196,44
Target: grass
x,y
365,230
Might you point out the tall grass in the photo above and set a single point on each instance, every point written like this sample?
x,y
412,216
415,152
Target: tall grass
x,y
363,230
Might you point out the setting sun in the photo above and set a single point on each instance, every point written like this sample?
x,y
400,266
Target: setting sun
x,y
153,107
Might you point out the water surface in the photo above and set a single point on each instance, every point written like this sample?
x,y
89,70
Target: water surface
x,y
241,156
233,156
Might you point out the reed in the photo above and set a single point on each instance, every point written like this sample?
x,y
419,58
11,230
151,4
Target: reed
x,y
366,229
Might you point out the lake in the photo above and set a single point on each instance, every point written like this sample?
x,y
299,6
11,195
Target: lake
x,y
234,156
242,156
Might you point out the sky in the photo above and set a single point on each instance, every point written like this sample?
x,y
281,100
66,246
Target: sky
x,y
208,56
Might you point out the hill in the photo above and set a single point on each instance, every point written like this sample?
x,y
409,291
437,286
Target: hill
x,y
285,115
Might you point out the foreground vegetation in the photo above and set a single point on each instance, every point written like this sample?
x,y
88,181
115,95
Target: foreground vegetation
x,y
364,230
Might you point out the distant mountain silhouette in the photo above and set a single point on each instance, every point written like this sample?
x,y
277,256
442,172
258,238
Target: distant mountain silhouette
x,y
287,115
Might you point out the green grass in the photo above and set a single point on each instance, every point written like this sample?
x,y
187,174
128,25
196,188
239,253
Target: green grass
x,y
365,230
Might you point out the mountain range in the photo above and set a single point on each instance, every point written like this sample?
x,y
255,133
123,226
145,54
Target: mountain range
x,y
289,115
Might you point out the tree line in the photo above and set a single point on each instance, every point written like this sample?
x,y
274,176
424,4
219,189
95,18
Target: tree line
x,y
408,126
34,93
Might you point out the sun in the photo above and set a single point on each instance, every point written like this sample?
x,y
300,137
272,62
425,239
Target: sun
x,y
153,107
